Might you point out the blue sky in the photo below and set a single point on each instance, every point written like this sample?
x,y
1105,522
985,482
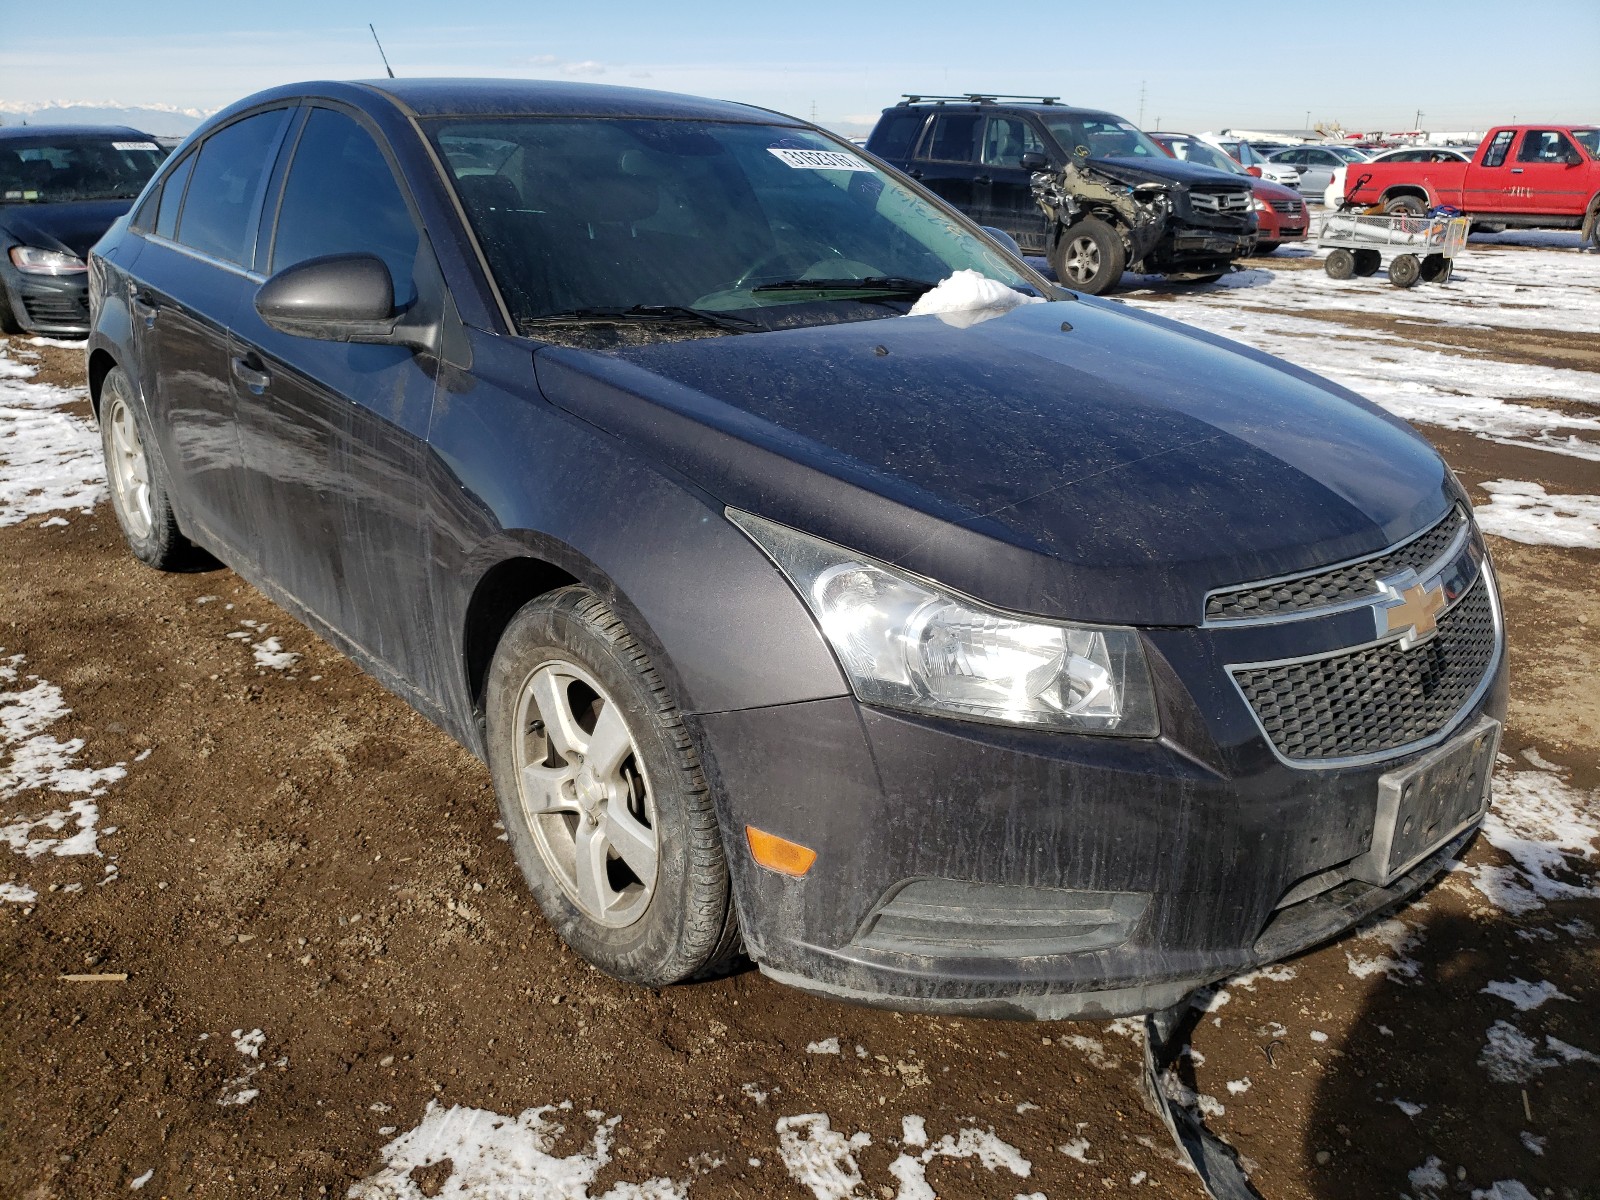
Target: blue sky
x,y
1465,65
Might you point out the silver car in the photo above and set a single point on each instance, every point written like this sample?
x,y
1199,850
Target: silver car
x,y
1317,164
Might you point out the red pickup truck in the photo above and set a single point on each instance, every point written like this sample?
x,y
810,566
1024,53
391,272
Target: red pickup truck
x,y
1544,176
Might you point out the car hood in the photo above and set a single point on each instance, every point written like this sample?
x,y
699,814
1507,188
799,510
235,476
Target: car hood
x,y
1134,172
1075,460
75,225
1268,190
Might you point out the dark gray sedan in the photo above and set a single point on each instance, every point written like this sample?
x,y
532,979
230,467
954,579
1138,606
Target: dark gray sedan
x,y
817,581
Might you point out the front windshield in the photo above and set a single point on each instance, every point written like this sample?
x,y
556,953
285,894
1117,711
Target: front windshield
x,y
597,214
1206,155
1589,139
1103,135
1349,153
58,169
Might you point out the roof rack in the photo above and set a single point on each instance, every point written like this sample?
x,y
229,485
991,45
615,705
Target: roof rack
x,y
975,98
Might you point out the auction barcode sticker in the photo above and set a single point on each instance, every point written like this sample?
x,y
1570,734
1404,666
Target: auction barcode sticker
x,y
134,146
821,160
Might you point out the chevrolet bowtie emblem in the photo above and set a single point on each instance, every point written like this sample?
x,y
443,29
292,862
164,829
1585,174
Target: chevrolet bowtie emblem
x,y
1409,607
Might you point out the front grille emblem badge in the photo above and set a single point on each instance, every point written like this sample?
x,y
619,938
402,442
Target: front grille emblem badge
x,y
1409,607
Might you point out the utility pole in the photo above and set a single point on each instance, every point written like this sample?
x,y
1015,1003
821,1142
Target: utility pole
x,y
1417,124
1308,119
1141,104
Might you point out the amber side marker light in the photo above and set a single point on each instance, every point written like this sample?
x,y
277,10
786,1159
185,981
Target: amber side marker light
x,y
779,854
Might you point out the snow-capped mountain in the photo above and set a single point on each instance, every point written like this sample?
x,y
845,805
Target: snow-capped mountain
x,y
160,119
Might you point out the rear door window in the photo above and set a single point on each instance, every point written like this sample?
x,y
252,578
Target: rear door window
x,y
341,198
953,138
225,188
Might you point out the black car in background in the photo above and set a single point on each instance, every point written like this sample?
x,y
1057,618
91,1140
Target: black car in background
x,y
61,187
1029,656
1084,188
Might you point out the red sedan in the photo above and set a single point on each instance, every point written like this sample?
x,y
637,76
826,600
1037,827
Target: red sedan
x,y
1281,214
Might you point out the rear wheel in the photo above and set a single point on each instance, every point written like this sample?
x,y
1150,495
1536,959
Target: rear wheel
x,y
602,795
1436,269
1368,262
1407,206
1089,257
1341,264
1404,270
134,477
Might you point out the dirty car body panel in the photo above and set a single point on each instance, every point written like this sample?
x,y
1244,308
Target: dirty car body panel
x,y
1070,464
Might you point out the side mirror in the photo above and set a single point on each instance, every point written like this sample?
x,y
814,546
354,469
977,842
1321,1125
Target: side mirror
x,y
339,298
1034,161
1256,171
1004,238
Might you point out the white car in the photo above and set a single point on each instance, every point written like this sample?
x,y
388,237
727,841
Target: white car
x,y
1333,196
1251,160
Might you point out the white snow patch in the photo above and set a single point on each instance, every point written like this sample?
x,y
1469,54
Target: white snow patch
x,y
1398,965
1511,1056
753,1092
1078,1148
17,893
1138,1177
1410,1109
237,1091
1540,822
1428,1180
49,459
1318,1036
820,1158
1504,1189
913,1131
495,1155
1275,973
1524,512
270,655
969,297
1092,1048
135,1184
825,1046
1524,995
1181,1093
989,1150
1238,1087
1533,1143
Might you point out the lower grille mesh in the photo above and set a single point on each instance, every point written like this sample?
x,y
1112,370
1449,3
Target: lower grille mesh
x,y
1376,699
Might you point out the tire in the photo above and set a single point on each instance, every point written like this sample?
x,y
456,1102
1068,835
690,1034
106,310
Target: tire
x,y
1340,264
1265,248
1436,269
1404,270
1089,257
136,479
1409,206
1367,262
625,861
8,319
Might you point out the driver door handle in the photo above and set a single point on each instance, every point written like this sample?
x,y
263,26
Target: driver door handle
x,y
251,373
914,173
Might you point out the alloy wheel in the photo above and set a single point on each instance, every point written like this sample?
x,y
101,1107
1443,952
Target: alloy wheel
x,y
584,793
128,468
1082,260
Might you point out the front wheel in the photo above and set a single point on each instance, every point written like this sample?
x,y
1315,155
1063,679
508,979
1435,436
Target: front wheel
x,y
1368,262
1404,270
138,485
1089,257
603,797
1341,264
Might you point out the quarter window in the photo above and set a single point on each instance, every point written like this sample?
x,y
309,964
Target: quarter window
x,y
953,138
898,135
1495,155
172,199
342,198
218,217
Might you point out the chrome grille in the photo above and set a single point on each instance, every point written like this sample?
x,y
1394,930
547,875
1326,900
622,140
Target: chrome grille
x,y
1292,208
1379,698
1348,581
1220,202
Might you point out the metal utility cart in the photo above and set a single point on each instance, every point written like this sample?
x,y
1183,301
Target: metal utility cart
x,y
1415,247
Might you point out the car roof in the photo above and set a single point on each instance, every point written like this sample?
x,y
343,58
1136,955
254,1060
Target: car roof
x,y
541,97
47,132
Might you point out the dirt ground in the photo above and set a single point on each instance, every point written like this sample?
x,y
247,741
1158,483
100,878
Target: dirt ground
x,y
300,854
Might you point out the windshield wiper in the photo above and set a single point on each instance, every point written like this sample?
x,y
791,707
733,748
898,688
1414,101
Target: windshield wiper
x,y
894,284
639,312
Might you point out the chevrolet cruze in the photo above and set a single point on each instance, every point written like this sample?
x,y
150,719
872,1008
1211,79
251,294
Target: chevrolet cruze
x,y
818,583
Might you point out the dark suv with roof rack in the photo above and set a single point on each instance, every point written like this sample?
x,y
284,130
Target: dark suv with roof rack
x,y
1084,188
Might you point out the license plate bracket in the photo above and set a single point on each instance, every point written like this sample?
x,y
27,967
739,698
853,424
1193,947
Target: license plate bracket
x,y
1429,802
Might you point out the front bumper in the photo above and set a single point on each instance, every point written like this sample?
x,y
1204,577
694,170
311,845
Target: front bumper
x,y
47,304
1189,858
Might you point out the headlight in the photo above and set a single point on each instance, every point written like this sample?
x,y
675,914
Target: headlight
x,y
905,642
1260,205
35,261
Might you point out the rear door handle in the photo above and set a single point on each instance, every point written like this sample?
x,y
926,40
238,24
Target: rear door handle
x,y
982,179
914,173
250,373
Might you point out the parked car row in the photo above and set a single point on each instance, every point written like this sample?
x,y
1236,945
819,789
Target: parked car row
x,y
1023,654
